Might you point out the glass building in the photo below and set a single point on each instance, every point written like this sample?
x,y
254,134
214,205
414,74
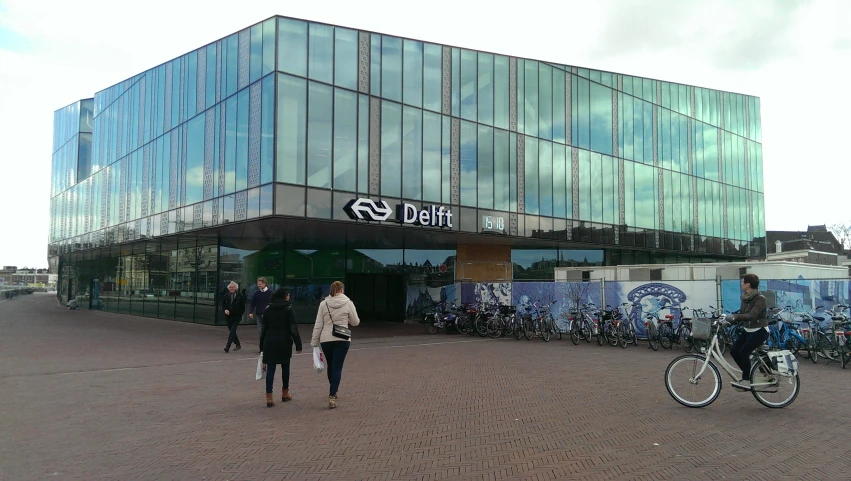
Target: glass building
x,y
308,153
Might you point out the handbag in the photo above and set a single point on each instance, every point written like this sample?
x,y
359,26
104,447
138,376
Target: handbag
x,y
338,331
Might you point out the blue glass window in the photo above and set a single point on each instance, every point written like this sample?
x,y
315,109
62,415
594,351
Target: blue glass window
x,y
195,160
391,68
391,149
292,129
292,48
412,152
242,140
345,139
500,94
267,131
320,113
601,119
413,73
486,88
432,77
346,58
468,84
321,53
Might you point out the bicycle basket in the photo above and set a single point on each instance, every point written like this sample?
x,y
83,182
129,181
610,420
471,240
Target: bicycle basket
x,y
701,328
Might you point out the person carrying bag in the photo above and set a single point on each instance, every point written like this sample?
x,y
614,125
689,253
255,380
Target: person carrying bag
x,y
331,331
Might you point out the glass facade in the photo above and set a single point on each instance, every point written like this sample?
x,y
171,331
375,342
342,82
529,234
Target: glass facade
x,y
292,119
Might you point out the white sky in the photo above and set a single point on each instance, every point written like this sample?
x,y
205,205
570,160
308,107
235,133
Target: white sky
x,y
795,55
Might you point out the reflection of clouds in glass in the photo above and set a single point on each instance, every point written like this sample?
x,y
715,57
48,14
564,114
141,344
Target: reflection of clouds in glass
x,y
195,177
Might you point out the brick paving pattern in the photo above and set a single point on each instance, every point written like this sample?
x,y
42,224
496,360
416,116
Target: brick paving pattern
x,y
95,395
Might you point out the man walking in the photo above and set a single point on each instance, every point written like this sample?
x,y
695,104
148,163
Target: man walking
x,y
233,306
259,302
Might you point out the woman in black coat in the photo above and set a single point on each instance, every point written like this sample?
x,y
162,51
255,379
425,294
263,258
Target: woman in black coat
x,y
279,333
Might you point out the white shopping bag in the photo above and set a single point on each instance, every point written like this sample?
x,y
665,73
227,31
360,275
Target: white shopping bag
x,y
261,372
318,360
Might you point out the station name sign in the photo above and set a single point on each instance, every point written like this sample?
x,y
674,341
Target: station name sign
x,y
380,211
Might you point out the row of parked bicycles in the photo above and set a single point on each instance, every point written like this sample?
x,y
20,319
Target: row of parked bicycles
x,y
821,334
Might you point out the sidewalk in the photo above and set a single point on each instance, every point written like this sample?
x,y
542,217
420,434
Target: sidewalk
x,y
93,395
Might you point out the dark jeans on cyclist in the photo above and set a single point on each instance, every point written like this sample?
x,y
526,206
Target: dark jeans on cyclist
x,y
745,344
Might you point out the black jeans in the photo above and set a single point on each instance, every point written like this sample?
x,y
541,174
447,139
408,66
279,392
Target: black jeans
x,y
232,337
270,375
335,355
744,346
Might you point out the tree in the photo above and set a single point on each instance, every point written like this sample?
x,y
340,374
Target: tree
x,y
194,258
575,292
842,231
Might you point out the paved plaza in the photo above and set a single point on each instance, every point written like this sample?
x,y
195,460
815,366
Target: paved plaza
x,y
96,395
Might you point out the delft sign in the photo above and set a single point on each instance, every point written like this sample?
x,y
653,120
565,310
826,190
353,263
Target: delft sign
x,y
380,211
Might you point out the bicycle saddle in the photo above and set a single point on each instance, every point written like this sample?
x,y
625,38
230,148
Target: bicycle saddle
x,y
669,316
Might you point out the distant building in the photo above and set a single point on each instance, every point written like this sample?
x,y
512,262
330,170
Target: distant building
x,y
816,245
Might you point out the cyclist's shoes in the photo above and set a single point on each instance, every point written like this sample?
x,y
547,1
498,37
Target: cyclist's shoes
x,y
743,385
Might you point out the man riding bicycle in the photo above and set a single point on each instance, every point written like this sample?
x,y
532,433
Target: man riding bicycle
x,y
754,319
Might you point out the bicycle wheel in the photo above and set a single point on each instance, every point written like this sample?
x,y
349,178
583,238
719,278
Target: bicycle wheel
x,y
517,327
528,329
685,339
653,336
611,332
545,330
556,327
666,334
601,333
781,390
494,327
574,331
623,335
431,326
586,330
685,388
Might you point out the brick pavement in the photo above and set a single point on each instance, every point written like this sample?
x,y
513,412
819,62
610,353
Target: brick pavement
x,y
94,395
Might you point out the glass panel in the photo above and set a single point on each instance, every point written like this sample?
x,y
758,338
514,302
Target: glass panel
x,y
190,91
230,145
431,156
645,196
596,187
531,175
345,139
559,186
230,68
585,206
269,28
346,58
432,77
292,129
413,73
629,193
545,176
582,118
468,84
501,170
485,91
601,119
255,53
242,140
321,53
530,99
363,143
391,149
292,48
252,208
289,200
545,102
267,131
319,203
446,159
195,160
319,135
266,200
533,264
485,167
559,123
638,130
500,94
469,158
391,68
412,148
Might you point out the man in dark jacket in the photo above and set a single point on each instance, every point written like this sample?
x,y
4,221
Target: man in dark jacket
x,y
259,301
754,318
233,306
279,333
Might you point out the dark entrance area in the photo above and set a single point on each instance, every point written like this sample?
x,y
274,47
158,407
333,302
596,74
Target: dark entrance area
x,y
377,297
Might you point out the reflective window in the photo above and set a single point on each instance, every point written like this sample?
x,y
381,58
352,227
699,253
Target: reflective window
x,y
195,160
432,77
345,139
242,140
210,76
585,208
469,158
485,167
346,58
292,48
363,143
468,84
530,98
413,73
267,131
559,106
486,88
252,205
319,203
175,96
501,170
431,157
664,137
710,151
412,151
534,264
531,175
230,145
521,95
446,158
292,129
558,179
268,47
545,177
319,135
391,68
638,129
230,64
190,90
500,94
646,195
580,258
321,52
391,149
581,106
596,187
545,102
601,119
255,53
